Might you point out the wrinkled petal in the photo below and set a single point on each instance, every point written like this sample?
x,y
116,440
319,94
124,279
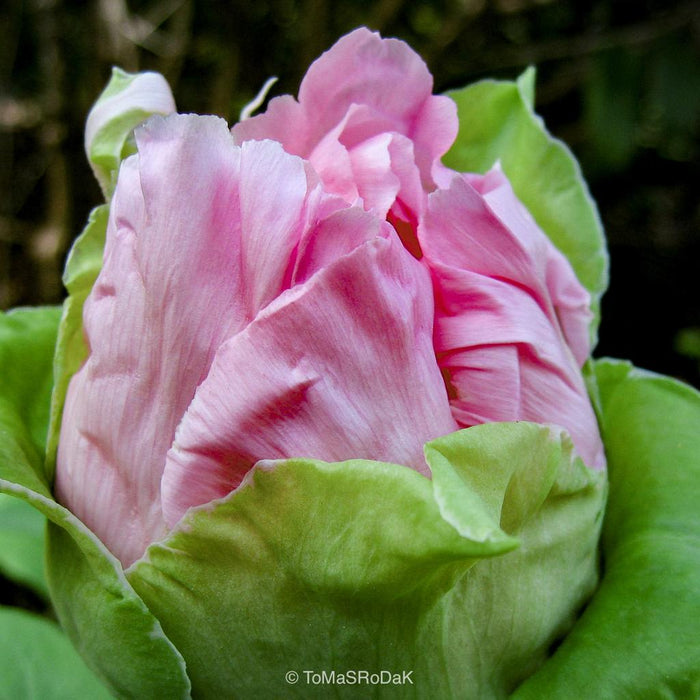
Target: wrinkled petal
x,y
202,235
339,367
498,338
571,300
152,329
349,96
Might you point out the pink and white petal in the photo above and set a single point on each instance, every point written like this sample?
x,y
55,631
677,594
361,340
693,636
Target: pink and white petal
x,y
372,171
339,367
334,236
572,304
434,133
460,229
475,310
273,189
331,161
167,296
483,383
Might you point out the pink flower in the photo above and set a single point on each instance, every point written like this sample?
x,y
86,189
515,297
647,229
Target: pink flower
x,y
249,308
242,313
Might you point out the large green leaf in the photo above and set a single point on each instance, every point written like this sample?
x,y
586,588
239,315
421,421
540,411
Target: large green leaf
x,y
27,338
498,125
22,544
312,566
38,662
639,638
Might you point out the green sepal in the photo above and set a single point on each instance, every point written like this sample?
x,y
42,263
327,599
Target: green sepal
x,y
82,267
639,636
366,565
127,101
38,662
498,124
27,338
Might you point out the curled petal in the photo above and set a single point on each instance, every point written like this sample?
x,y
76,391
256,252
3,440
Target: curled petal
x,y
498,337
348,97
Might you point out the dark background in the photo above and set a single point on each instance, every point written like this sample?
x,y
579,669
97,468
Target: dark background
x,y
618,81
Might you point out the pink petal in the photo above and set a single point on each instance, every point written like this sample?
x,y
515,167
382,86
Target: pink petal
x,y
152,328
498,338
570,299
340,367
349,96
202,234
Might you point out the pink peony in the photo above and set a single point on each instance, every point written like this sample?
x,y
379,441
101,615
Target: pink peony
x,y
248,307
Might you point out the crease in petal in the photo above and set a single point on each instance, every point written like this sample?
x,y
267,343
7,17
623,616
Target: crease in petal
x,y
341,366
498,336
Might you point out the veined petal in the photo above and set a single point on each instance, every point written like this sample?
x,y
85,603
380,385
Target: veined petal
x,y
498,337
202,235
152,328
349,96
339,367
571,300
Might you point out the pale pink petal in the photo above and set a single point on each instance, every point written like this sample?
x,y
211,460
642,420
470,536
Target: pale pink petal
x,y
570,298
340,367
364,69
202,235
152,328
349,96
376,182
283,121
272,201
435,131
334,235
331,161
498,339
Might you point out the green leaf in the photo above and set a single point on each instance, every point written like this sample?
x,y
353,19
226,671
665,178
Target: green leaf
x,y
121,641
37,661
498,124
82,267
109,624
365,565
639,636
27,338
22,544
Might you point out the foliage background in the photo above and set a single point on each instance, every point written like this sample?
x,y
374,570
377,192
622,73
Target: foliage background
x,y
617,80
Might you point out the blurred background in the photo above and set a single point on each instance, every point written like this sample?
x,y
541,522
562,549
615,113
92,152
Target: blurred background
x,y
619,81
